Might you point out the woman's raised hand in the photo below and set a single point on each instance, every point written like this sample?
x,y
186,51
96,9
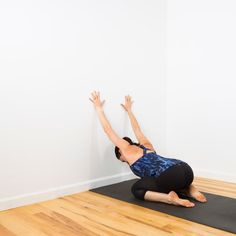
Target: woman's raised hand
x,y
96,100
128,103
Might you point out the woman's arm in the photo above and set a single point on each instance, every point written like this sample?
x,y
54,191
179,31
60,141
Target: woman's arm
x,y
134,123
115,139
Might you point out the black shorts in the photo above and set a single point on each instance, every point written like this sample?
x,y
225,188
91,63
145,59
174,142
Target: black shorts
x,y
175,178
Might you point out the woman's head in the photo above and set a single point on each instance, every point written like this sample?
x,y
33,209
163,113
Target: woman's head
x,y
118,152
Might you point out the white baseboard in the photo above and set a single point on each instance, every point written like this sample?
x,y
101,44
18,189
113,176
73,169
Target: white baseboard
x,y
31,198
217,175
27,199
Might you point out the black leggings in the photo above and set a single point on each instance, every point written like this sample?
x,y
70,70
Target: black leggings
x,y
175,178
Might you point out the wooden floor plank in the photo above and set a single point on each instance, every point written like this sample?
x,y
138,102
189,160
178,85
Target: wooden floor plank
x,y
91,214
5,232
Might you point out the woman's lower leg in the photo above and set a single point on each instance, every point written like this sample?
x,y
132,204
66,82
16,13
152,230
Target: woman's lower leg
x,y
170,198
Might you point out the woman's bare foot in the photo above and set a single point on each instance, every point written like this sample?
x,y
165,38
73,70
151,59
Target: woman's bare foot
x,y
192,191
174,199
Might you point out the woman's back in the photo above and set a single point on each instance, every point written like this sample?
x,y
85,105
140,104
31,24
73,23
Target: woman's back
x,y
152,164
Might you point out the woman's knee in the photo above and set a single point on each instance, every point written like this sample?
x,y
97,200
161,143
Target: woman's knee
x,y
142,186
139,193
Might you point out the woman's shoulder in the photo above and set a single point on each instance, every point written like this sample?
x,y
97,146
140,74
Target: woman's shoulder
x,y
133,153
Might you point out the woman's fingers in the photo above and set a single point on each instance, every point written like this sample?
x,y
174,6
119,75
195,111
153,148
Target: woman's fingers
x,y
95,99
95,94
124,107
91,100
128,99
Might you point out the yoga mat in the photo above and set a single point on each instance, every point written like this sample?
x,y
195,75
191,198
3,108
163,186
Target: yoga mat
x,y
219,212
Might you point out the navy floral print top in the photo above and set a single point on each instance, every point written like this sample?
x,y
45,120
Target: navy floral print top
x,y
152,164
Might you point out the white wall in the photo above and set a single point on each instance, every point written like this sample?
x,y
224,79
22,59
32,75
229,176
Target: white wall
x,y
201,85
53,54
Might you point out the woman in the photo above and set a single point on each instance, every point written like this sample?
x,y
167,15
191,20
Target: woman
x,y
160,178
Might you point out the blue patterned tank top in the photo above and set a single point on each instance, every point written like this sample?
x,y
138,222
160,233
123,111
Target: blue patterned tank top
x,y
152,164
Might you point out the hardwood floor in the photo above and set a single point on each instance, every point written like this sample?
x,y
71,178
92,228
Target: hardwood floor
x,y
90,213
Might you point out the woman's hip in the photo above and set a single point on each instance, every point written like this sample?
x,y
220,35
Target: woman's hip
x,y
176,177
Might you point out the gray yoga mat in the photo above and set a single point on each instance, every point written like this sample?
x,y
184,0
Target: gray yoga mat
x,y
219,212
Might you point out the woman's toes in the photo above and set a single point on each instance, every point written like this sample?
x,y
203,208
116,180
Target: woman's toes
x,y
200,197
185,203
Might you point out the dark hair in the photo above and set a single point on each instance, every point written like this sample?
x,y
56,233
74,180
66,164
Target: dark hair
x,y
117,150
